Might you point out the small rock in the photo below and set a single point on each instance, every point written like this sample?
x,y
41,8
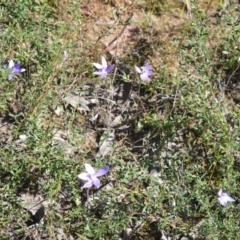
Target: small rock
x,y
127,233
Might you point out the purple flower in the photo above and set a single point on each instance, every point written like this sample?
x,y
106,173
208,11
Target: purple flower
x,y
145,72
224,197
91,176
14,69
103,69
65,55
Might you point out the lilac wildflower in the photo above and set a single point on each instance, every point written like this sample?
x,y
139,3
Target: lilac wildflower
x,y
91,176
14,69
103,69
224,198
145,72
65,55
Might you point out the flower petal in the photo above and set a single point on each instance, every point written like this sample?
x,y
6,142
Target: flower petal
x,y
23,70
10,76
104,74
147,67
222,202
138,69
220,192
227,198
110,68
65,55
10,64
97,73
102,171
144,77
84,176
104,62
17,67
96,182
97,65
89,169
150,72
88,184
